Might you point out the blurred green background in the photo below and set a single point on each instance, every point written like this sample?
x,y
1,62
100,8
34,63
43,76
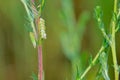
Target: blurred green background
x,y
18,58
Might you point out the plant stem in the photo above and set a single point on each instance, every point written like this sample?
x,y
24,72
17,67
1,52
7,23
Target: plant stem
x,y
40,64
115,60
29,16
93,62
113,45
115,6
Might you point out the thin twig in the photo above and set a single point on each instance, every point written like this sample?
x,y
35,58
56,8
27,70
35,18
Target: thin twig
x,y
93,62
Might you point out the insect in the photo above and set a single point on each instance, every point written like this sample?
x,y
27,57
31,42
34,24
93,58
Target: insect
x,y
36,22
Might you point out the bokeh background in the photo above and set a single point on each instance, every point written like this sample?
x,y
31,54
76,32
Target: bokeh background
x,y
18,58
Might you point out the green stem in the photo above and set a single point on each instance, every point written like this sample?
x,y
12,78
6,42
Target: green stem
x,y
113,48
113,45
93,62
106,36
115,60
115,6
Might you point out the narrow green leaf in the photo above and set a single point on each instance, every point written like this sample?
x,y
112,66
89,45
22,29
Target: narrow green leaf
x,y
68,12
98,16
82,21
103,61
34,77
98,12
41,6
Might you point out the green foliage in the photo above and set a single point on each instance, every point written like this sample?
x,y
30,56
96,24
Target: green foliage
x,y
31,27
98,16
71,39
27,4
90,60
36,30
41,6
34,77
103,69
81,23
99,74
35,25
80,65
103,64
119,68
117,17
78,74
98,12
67,13
109,40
